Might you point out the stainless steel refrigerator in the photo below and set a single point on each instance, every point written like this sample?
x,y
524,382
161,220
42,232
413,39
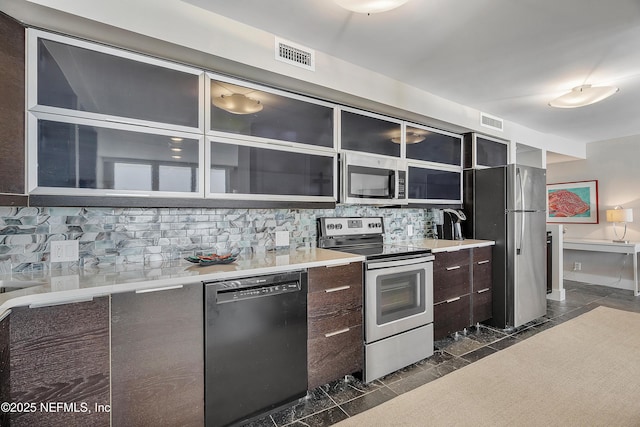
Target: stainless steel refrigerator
x,y
507,204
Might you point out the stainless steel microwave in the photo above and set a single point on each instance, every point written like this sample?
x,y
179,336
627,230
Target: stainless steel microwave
x,y
372,180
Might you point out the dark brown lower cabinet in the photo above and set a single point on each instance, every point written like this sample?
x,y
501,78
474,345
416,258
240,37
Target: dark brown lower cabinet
x,y
335,345
157,366
482,285
451,316
58,359
482,306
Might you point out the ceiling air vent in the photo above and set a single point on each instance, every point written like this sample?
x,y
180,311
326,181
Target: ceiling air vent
x,y
492,122
295,54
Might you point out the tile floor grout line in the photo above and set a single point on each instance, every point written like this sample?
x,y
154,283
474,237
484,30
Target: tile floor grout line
x,y
575,293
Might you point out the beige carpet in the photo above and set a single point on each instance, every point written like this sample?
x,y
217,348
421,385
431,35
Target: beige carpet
x,y
584,372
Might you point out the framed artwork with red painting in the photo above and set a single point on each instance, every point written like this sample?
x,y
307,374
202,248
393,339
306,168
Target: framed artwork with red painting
x,y
573,202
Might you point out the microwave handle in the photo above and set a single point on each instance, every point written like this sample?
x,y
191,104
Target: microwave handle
x,y
393,176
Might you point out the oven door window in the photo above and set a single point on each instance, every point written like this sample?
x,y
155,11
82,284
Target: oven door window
x,y
365,182
399,295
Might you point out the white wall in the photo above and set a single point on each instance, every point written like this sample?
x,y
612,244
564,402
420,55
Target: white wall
x,y
615,164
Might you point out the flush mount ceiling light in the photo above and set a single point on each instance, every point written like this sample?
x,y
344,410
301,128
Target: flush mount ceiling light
x,y
410,138
370,6
237,103
583,95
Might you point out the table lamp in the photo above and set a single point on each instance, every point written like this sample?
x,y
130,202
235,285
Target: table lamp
x,y
619,215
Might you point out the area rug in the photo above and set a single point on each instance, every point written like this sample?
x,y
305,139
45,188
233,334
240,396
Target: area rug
x,y
583,372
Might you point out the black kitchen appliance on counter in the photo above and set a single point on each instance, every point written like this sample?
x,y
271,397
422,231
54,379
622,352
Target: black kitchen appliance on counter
x,y
255,346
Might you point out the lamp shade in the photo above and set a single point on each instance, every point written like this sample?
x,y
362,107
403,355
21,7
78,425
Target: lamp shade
x,y
619,215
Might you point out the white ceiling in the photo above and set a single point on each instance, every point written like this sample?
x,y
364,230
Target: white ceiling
x,y
508,58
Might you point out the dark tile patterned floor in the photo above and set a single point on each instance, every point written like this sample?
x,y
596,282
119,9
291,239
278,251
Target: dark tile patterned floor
x,y
338,400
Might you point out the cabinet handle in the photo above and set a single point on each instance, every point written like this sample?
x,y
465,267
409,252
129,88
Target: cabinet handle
x,y
60,302
453,268
483,261
484,290
341,331
337,265
339,288
453,299
144,291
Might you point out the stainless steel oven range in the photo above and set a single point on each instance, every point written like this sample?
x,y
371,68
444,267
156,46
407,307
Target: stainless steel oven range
x,y
398,293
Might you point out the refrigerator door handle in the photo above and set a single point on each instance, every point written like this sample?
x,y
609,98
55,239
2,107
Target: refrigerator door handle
x,y
522,205
522,228
521,188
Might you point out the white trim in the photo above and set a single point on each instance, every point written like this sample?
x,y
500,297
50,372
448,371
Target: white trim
x,y
370,114
433,165
241,139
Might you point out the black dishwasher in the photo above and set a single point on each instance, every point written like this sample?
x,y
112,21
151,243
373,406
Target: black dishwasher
x,y
255,346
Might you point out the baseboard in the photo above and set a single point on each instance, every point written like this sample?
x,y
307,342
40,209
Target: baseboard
x,y
594,279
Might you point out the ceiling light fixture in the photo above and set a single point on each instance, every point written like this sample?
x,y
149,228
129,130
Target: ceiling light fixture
x,y
410,138
237,103
370,6
583,95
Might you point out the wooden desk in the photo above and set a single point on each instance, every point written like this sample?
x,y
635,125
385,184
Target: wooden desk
x,y
592,245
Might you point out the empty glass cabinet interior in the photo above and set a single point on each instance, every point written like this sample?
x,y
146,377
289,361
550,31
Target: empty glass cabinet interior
x,y
253,170
83,156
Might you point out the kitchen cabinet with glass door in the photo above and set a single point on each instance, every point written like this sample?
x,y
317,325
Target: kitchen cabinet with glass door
x,y
435,165
482,151
369,133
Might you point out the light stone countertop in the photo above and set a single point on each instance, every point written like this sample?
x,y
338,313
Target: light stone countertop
x,y
65,286
84,284
441,245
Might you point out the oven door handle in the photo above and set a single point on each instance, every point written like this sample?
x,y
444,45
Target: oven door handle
x,y
372,265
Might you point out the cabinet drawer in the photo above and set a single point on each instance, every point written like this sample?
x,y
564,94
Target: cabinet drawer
x,y
333,357
451,275
481,255
331,278
330,303
482,269
482,306
329,326
449,317
449,260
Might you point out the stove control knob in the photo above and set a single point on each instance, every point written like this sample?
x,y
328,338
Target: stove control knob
x,y
339,226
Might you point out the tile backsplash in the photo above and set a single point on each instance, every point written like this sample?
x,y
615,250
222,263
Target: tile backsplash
x,y
117,236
